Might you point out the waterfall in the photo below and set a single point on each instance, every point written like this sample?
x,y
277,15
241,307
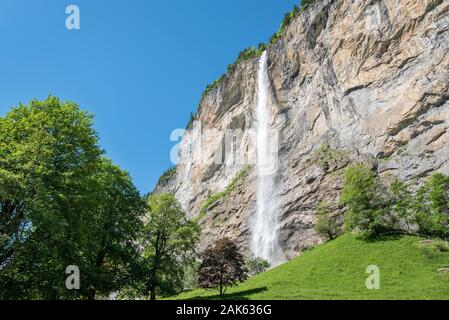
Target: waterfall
x,y
265,224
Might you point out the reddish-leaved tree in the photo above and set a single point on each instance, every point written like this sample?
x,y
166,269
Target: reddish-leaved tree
x,y
222,266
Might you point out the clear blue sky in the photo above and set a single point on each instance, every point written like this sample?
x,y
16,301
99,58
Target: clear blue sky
x,y
139,66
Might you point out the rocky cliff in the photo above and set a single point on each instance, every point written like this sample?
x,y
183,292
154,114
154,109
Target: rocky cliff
x,y
351,81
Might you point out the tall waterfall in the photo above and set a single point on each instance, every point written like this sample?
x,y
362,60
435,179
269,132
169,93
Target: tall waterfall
x,y
265,241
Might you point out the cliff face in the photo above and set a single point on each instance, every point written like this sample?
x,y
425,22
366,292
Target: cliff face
x,y
351,81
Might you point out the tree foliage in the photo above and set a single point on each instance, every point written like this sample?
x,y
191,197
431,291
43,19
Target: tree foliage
x,y
288,18
169,240
373,210
431,206
112,251
61,204
326,224
365,199
256,265
401,203
222,266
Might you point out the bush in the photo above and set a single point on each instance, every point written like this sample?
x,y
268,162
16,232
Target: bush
x,y
329,158
248,54
256,265
326,224
431,206
363,195
401,199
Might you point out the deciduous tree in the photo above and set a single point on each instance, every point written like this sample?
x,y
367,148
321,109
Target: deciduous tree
x,y
365,198
222,266
169,240
61,204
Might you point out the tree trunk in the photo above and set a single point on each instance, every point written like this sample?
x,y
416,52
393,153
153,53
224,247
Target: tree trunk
x,y
91,295
153,283
221,286
153,294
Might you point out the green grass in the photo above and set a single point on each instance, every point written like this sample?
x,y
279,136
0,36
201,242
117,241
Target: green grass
x,y
336,270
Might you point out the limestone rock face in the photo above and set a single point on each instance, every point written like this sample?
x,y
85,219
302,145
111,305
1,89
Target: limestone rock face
x,y
351,81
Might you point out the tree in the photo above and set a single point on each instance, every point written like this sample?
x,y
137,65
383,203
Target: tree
x,y
169,240
401,200
256,265
362,194
61,203
431,206
48,154
222,266
326,224
112,250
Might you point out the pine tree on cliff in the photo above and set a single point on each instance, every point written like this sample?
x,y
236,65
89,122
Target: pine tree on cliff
x,y
223,266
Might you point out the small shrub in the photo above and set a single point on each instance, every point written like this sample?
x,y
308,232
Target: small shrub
x,y
213,85
190,272
248,54
326,224
256,265
328,157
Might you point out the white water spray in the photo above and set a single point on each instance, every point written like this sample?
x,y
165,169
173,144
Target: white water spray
x,y
265,241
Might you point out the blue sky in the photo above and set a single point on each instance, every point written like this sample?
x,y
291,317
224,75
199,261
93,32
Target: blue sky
x,y
139,66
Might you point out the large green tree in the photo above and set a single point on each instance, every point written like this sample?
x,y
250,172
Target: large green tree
x,y
111,255
48,152
169,240
61,204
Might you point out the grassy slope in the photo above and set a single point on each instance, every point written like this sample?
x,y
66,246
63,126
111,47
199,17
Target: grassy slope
x,y
336,270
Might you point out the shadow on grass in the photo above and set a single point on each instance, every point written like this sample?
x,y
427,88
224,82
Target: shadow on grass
x,y
241,295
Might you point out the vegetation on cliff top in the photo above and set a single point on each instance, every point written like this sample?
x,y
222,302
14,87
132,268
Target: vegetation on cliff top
x,y
166,175
253,52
